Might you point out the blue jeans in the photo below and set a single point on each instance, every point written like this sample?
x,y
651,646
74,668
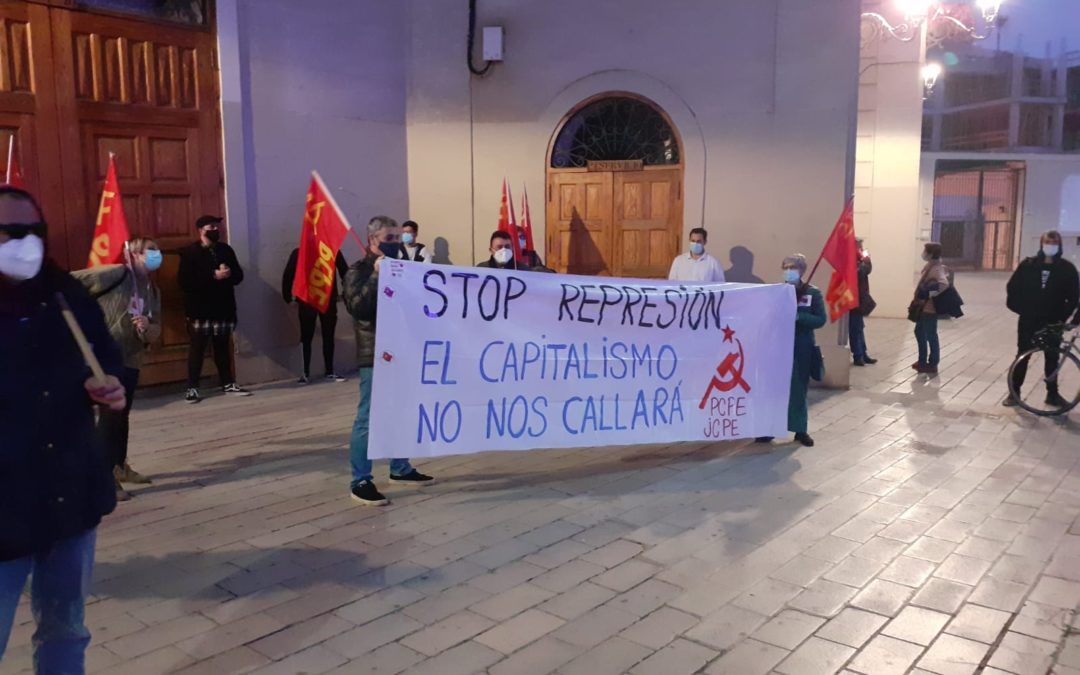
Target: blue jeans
x,y
857,335
60,584
927,337
358,442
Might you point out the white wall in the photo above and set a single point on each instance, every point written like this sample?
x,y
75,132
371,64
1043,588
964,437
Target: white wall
x,y
763,105
307,85
1048,192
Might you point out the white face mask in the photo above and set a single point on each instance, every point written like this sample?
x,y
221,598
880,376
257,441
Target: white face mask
x,y
20,259
1050,250
503,256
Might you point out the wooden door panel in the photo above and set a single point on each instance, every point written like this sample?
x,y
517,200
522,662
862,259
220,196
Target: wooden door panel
x,y
579,222
647,221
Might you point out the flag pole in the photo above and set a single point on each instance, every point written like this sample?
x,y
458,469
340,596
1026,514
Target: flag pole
x,y
80,339
10,155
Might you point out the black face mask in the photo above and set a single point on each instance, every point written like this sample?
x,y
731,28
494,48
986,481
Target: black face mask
x,y
389,249
213,236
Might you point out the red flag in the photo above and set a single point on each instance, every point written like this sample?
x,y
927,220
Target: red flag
x,y
111,230
14,176
321,234
507,222
526,220
842,253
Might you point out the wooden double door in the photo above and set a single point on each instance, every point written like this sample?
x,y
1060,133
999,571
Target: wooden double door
x,y
614,223
76,86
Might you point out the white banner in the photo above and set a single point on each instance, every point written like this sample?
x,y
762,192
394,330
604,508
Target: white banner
x,y
471,359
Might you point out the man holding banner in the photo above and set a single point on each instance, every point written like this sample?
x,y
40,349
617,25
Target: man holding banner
x,y
361,299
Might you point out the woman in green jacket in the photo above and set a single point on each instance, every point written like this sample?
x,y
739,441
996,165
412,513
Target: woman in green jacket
x,y
809,317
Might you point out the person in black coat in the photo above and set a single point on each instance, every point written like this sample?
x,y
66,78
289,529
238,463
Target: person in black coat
x,y
857,316
209,271
1044,290
308,316
56,480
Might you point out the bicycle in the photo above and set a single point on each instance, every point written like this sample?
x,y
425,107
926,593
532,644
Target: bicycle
x,y
1034,395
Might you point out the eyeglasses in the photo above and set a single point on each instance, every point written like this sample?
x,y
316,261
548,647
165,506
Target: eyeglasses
x,y
20,230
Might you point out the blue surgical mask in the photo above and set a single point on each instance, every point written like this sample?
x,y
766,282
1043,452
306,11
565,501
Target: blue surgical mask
x,y
389,249
1051,250
792,276
407,238
697,248
152,259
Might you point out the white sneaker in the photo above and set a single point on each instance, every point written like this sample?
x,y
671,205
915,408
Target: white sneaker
x,y
235,390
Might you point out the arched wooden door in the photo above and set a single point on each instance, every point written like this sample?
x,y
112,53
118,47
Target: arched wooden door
x,y
614,189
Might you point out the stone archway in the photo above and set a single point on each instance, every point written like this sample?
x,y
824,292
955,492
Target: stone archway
x,y
615,188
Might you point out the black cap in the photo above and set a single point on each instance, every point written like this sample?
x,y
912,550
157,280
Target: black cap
x,y
203,221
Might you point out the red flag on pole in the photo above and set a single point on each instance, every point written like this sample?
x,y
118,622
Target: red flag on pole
x,y
842,253
111,230
526,220
507,222
321,235
13,176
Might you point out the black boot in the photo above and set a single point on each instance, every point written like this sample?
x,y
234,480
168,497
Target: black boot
x,y
804,438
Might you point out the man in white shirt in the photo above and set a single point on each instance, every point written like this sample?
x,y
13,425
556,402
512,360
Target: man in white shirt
x,y
697,265
414,250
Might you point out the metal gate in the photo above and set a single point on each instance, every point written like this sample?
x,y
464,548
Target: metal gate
x,y
975,212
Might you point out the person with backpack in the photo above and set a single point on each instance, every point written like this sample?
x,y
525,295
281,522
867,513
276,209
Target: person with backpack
x,y
132,308
1044,290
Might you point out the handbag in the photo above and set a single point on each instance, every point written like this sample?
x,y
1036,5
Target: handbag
x,y
915,310
817,365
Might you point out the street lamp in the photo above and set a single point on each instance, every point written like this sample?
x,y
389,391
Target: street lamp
x,y
930,13
930,74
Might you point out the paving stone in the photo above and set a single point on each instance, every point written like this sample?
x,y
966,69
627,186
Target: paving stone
x,y
678,658
832,549
625,576
513,634
373,635
512,602
885,656
1042,621
802,570
386,660
767,596
644,598
823,598
788,629
858,529
465,659
852,627
447,633
1023,655
951,655
1018,569
883,597
611,657
659,628
816,657
726,627
880,550
978,623
981,548
1057,593
906,531
749,657
595,626
962,569
576,601
853,571
916,624
908,571
942,595
565,577
997,594
451,601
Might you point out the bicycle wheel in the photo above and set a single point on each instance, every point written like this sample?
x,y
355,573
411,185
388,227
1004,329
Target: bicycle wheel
x,y
1034,395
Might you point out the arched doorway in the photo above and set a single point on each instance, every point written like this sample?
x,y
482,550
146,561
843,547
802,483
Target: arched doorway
x,y
614,189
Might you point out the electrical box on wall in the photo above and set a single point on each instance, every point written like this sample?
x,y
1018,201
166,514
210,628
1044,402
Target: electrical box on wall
x,y
493,43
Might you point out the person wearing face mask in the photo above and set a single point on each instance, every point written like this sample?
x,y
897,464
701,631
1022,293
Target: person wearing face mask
x,y
209,271
529,256
923,310
414,250
55,478
697,265
810,316
309,315
1044,290
857,316
361,292
502,253
132,307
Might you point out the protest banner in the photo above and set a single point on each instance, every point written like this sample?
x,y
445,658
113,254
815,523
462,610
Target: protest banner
x,y
471,359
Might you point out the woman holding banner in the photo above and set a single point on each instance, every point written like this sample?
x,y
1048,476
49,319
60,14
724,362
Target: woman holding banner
x,y
809,316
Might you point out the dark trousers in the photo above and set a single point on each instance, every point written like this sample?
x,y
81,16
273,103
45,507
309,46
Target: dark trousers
x,y
1025,340
308,316
926,334
113,424
197,351
857,335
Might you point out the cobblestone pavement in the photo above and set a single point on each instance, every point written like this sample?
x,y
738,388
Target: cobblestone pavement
x,y
930,531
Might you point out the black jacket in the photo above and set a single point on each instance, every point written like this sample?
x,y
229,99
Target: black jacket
x,y
55,479
361,292
205,297
1050,301
866,301
490,262
417,254
289,276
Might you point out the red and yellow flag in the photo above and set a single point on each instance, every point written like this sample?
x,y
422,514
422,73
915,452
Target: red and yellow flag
x,y
321,235
842,253
13,176
526,220
507,221
111,230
